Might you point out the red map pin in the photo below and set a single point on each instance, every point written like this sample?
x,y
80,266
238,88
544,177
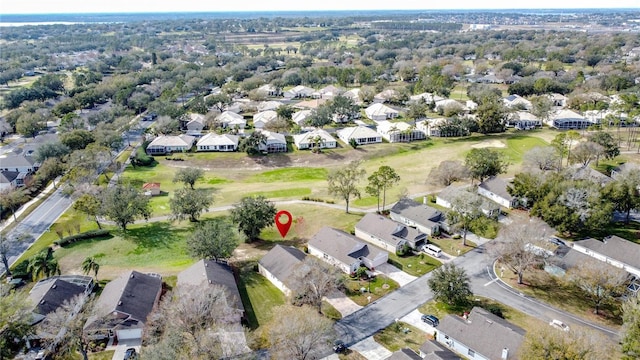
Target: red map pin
x,y
283,228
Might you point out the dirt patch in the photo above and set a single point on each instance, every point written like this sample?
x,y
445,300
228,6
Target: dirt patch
x,y
489,144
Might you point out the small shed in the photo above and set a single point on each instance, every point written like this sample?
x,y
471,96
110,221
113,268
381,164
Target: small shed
x,y
151,189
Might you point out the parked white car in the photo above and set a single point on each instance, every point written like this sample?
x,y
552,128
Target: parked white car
x,y
559,325
432,250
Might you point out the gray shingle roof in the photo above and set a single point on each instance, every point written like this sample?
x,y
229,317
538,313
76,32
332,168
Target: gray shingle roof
x,y
15,161
342,246
281,261
496,186
131,293
388,230
48,297
483,332
8,176
616,248
206,272
421,214
434,351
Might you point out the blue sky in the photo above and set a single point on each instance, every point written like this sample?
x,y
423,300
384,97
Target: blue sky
x,y
110,6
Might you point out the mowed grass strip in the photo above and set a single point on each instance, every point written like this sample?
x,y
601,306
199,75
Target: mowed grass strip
x,y
290,175
258,295
400,335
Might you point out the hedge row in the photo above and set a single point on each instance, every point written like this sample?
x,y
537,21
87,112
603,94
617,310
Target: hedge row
x,y
82,236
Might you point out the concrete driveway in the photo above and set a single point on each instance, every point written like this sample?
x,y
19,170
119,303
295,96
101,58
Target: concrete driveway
x,y
414,318
342,303
397,275
371,350
124,345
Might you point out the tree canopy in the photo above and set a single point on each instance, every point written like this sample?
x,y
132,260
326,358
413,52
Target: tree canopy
x,y
213,239
123,204
484,163
343,182
450,284
252,214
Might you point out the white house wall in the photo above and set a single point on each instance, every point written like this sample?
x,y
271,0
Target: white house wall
x,y
619,264
456,346
274,280
329,259
374,240
495,198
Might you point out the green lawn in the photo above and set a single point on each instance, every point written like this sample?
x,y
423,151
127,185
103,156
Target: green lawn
x,y
283,193
519,144
103,355
259,296
156,247
376,288
416,265
290,175
400,335
452,246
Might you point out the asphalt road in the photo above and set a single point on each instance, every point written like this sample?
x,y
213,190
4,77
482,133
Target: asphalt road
x,y
383,312
36,223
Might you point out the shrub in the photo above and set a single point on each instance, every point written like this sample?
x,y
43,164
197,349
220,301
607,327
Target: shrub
x,y
82,236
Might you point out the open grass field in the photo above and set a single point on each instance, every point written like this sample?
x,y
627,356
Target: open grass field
x,y
259,296
375,288
416,265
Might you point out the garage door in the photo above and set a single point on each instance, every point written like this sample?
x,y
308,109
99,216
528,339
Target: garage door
x,y
129,334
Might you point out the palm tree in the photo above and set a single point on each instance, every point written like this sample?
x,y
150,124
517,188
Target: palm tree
x,y
317,143
43,264
89,264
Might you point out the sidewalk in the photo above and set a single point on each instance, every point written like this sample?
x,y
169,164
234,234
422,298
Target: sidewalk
x,y
24,207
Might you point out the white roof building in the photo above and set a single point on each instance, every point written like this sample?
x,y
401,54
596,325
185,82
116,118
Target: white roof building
x,y
399,131
430,127
275,142
307,140
262,118
361,134
215,142
379,112
232,120
299,117
269,105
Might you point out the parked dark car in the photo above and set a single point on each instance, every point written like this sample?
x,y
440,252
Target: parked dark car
x,y
339,347
431,320
130,354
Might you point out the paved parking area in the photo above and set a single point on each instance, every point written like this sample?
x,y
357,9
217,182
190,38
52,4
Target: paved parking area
x,y
123,346
397,275
342,303
414,318
371,350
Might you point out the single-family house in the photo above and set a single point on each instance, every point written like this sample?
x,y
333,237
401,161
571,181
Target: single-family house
x,y
431,127
490,79
558,100
30,148
11,179
330,91
432,350
612,250
261,119
620,169
564,258
216,142
299,91
18,163
399,131
310,104
354,95
424,218
49,294
566,119
404,354
441,105
278,265
516,102
385,96
362,135
388,234
580,172
269,90
309,139
196,122
300,117
151,189
230,119
448,194
380,112
524,120
275,142
481,335
125,304
426,97
345,251
495,189
269,105
208,273
167,144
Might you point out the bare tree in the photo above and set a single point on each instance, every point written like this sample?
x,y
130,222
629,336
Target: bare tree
x,y
344,182
541,158
585,152
520,246
299,333
448,172
599,281
544,342
63,330
464,209
313,280
191,325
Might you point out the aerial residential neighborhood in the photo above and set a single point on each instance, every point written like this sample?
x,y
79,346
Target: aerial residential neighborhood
x,y
337,185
